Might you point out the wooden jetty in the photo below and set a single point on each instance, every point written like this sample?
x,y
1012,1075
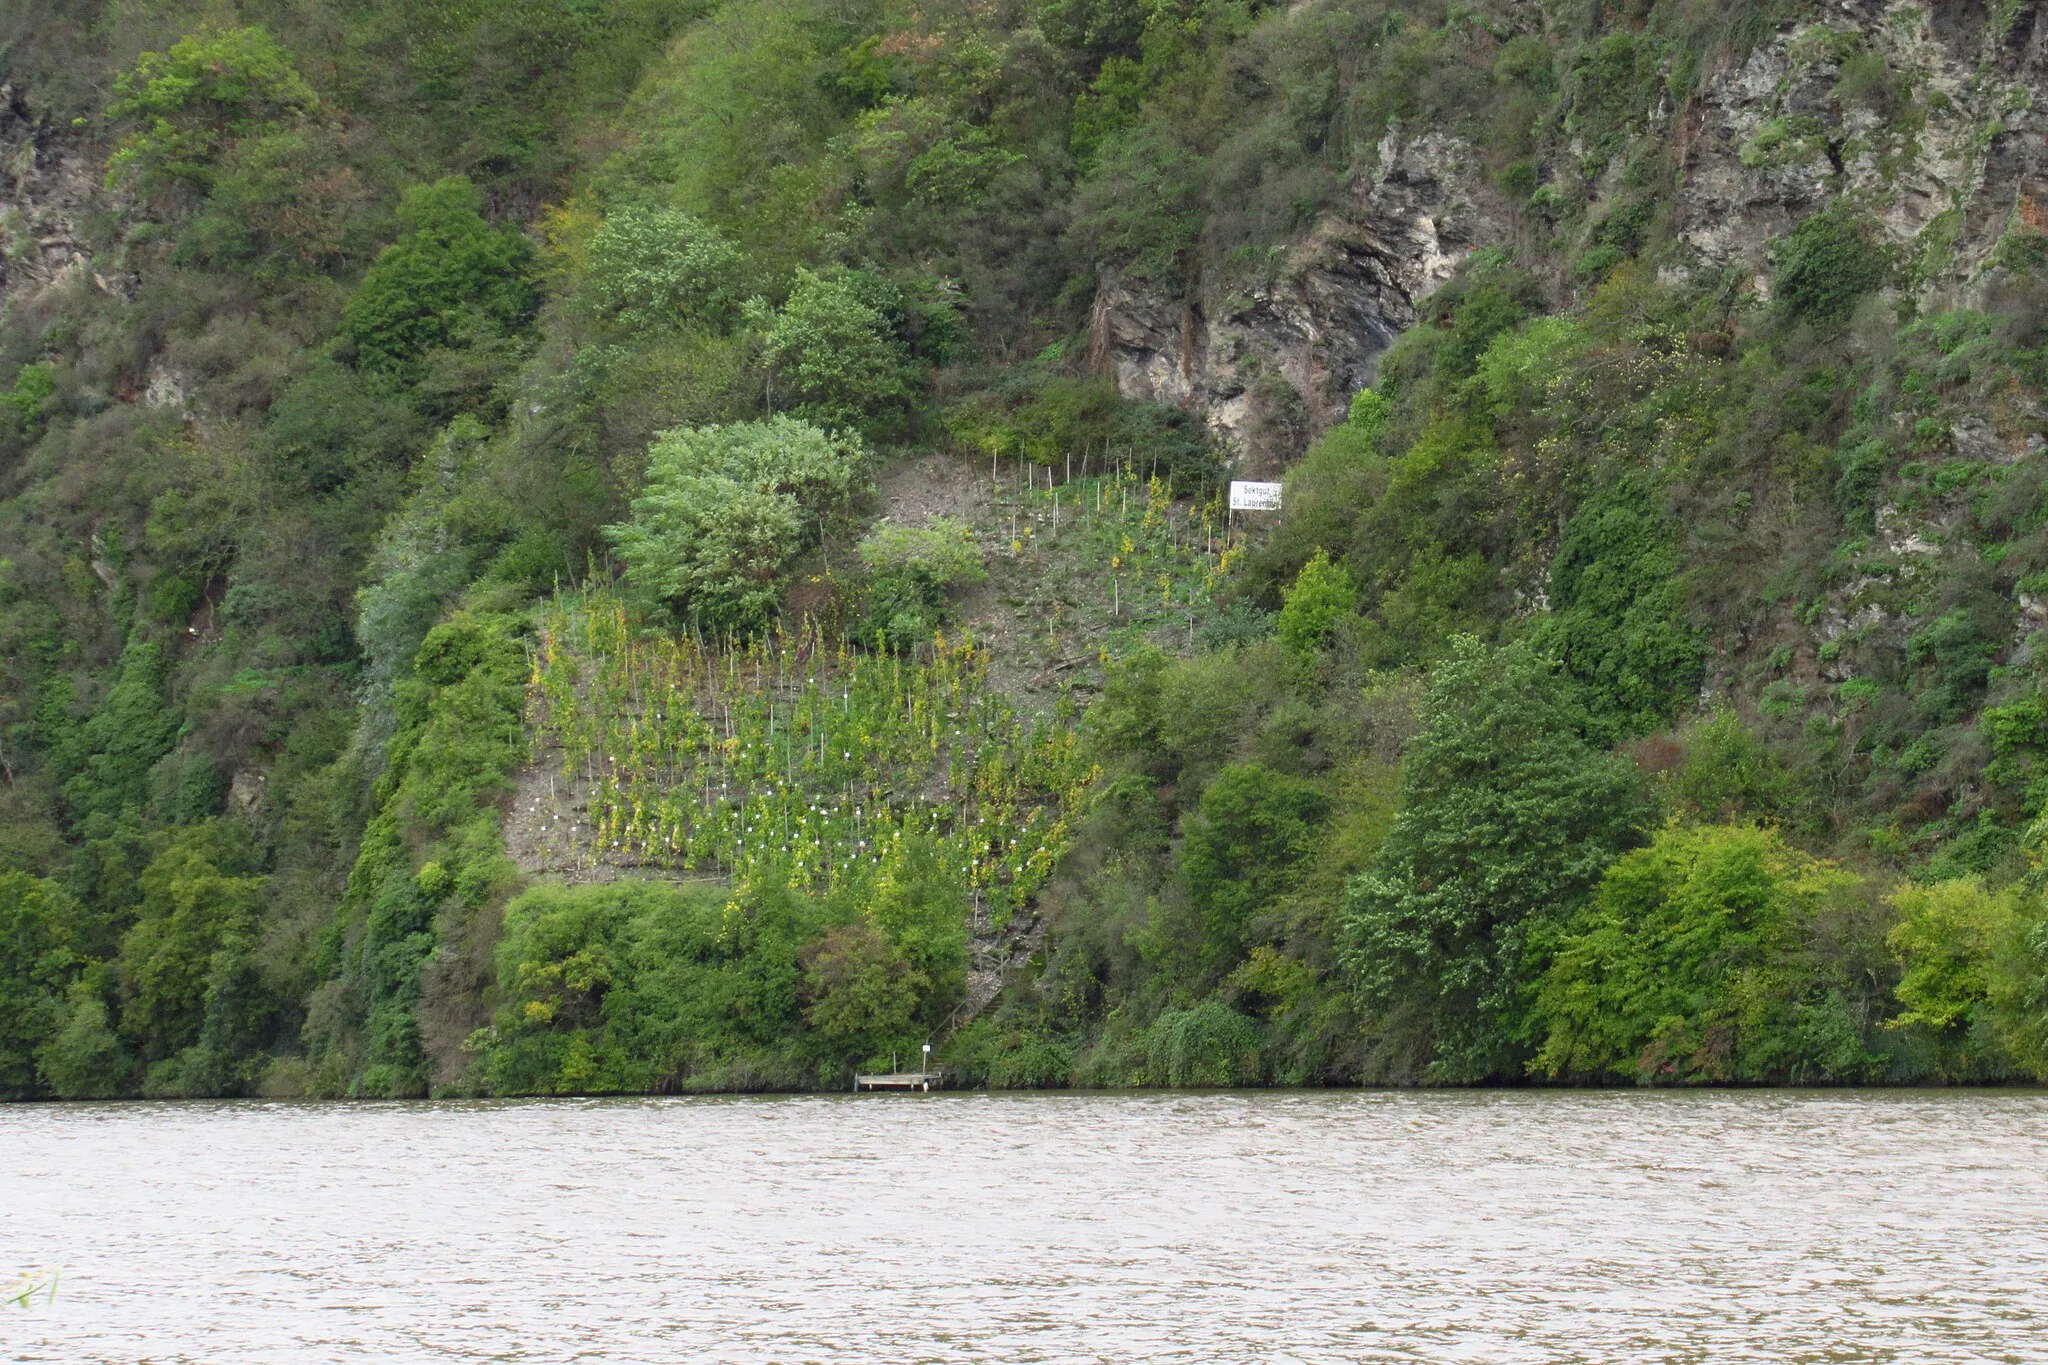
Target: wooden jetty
x,y
899,1080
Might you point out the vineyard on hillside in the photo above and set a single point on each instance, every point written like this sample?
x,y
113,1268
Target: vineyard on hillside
x,y
796,762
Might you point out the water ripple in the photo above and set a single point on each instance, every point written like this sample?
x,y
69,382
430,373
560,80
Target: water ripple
x,y
1484,1227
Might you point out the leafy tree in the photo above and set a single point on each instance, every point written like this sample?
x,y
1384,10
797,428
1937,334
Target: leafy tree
x,y
1689,964
923,910
1945,937
1140,208
83,1058
659,268
1617,624
1208,1045
1254,832
1318,604
1727,772
835,350
447,270
33,386
124,738
724,511
37,962
199,899
213,86
863,994
1974,972
1096,28
1508,818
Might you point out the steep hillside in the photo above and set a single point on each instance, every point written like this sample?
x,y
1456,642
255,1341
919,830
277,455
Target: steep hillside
x,y
455,460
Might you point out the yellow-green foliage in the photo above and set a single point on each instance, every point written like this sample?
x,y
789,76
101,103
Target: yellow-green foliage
x,y
433,851
210,87
1971,962
1692,962
791,762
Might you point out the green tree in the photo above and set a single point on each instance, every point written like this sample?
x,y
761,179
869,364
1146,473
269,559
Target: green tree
x,y
1689,963
124,738
1617,624
1140,209
655,269
449,273
1254,832
37,962
922,909
213,86
83,1058
1508,818
862,993
1974,972
835,350
1320,601
725,509
200,897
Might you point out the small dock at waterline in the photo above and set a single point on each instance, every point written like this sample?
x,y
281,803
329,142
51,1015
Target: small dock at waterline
x,y
899,1080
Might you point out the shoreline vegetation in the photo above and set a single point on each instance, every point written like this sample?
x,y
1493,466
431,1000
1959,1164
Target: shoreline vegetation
x,y
668,546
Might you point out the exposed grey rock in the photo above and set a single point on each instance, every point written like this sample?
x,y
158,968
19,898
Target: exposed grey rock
x,y
1313,336
47,183
1773,138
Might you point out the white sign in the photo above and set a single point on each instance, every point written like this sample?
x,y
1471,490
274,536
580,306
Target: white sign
x,y
1254,497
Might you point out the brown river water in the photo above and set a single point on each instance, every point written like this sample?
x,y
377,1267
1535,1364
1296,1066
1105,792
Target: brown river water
x,y
1274,1226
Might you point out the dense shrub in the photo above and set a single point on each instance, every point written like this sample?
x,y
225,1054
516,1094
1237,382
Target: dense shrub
x,y
1691,963
724,511
1508,818
1826,265
449,275
911,569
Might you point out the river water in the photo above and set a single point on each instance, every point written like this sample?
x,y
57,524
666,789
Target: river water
x,y
1276,1226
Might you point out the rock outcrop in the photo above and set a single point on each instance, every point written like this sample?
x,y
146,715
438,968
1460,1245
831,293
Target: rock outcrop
x,y
46,185
1934,126
1277,362
1932,119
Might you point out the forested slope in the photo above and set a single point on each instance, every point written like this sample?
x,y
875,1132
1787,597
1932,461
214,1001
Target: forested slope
x,y
565,546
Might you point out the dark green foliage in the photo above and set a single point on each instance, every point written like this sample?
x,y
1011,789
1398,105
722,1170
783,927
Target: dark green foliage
x,y
1826,265
37,960
1208,1045
1618,623
449,274
1245,846
289,469
632,986
105,764
1140,208
459,738
1508,818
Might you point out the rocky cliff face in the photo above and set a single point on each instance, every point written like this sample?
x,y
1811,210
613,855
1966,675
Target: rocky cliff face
x,y
46,184
1280,361
1932,118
